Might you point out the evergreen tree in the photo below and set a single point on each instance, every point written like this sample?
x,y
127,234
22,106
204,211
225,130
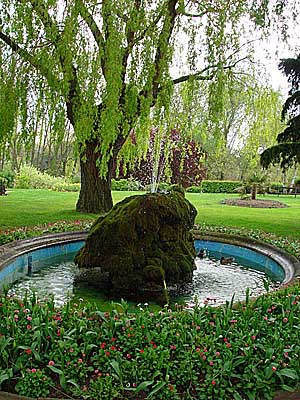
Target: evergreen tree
x,y
287,151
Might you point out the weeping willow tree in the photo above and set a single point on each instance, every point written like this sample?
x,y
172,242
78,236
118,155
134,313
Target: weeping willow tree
x,y
109,63
287,151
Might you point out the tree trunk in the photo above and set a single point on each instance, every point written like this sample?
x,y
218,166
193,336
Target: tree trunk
x,y
253,192
95,193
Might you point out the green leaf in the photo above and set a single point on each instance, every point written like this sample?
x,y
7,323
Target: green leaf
x,y
73,383
3,377
56,370
290,373
237,396
269,353
143,386
116,367
287,388
156,388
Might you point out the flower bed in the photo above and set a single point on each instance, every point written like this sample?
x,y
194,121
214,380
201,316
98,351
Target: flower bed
x,y
243,352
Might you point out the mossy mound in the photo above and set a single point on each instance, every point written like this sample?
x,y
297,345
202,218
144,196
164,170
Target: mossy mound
x,y
142,242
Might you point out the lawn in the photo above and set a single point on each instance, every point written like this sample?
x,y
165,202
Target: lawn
x,y
34,207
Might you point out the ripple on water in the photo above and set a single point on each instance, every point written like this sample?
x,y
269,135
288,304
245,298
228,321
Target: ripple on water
x,y
212,282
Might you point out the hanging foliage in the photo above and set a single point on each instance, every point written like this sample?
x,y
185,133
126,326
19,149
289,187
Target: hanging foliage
x,y
287,151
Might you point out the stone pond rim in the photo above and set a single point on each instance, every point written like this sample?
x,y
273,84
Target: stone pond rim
x,y
141,245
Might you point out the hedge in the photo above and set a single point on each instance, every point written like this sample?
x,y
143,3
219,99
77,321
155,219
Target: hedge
x,y
215,187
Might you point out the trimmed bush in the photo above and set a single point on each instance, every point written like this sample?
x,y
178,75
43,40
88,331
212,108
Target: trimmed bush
x,y
215,187
194,189
125,184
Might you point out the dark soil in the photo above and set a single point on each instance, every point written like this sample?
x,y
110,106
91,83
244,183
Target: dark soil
x,y
254,203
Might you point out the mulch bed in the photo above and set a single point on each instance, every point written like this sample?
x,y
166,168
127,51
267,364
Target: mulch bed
x,y
254,203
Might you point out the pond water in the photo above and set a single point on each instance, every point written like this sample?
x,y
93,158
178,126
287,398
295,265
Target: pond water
x,y
212,282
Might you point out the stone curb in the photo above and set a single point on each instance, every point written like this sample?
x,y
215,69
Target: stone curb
x,y
10,251
290,263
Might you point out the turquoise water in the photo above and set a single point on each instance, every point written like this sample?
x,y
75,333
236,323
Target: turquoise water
x,y
212,283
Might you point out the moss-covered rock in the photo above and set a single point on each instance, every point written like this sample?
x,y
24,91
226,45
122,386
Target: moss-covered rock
x,y
142,241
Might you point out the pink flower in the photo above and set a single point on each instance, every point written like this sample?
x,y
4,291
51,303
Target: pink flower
x,y
33,370
274,368
51,362
253,337
285,320
211,363
28,327
80,360
128,356
217,353
29,318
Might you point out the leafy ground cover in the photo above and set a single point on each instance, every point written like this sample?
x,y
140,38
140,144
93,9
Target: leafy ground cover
x,y
248,351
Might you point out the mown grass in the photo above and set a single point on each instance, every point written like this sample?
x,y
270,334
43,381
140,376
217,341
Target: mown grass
x,y
26,208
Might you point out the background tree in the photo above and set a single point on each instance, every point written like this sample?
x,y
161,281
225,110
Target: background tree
x,y
109,63
287,151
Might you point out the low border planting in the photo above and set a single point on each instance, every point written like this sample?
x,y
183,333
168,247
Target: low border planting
x,y
248,351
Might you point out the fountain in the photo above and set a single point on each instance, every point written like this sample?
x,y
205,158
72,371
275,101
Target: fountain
x,y
141,246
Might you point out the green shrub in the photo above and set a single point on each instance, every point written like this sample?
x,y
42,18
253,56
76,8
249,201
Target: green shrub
x,y
32,178
194,189
8,175
67,187
220,186
125,184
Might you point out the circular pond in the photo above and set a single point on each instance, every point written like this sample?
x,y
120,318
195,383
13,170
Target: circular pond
x,y
51,271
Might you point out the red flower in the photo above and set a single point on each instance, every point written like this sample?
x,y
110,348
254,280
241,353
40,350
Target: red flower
x,y
102,345
173,347
113,339
142,351
228,345
213,382
107,353
28,351
113,348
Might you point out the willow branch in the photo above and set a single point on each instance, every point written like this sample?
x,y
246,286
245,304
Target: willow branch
x,y
69,71
93,27
200,74
27,57
163,43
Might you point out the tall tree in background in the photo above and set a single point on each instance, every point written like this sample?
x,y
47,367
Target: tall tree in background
x,y
109,64
287,151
